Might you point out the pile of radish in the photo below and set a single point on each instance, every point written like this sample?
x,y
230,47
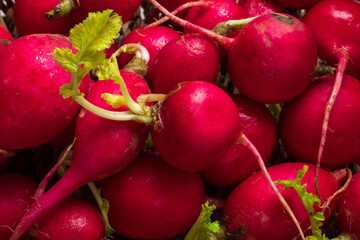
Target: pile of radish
x,y
179,119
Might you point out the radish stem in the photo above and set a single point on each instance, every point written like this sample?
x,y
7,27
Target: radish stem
x,y
247,143
343,58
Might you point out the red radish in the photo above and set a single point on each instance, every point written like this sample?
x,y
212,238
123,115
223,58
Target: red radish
x,y
153,39
29,17
254,207
255,8
195,125
102,148
33,111
264,54
72,218
152,200
336,24
5,36
217,12
189,57
239,163
16,191
301,120
348,214
79,9
295,4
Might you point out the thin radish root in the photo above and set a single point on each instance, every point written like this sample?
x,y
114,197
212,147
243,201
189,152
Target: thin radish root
x,y
247,143
343,58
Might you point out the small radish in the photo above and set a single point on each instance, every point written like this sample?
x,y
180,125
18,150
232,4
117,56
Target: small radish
x,y
153,39
301,120
32,112
16,191
260,7
239,163
5,37
195,125
253,208
348,214
152,200
189,57
79,9
264,54
295,4
72,218
29,18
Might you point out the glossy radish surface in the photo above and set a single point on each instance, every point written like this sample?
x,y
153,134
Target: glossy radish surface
x,y
301,121
152,200
71,219
260,7
34,112
195,125
253,205
294,4
5,36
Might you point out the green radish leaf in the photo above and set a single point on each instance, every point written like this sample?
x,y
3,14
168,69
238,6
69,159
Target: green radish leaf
x,y
91,37
204,228
114,100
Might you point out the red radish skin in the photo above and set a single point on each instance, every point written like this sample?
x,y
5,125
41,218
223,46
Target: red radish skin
x,y
100,136
153,39
71,219
264,54
29,17
301,121
5,37
195,125
238,163
254,206
34,112
295,4
189,57
16,191
348,214
335,24
255,8
219,11
152,200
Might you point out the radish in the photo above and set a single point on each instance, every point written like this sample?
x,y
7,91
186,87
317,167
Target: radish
x,y
301,120
33,112
16,191
5,37
294,4
195,125
256,56
153,39
189,57
152,200
79,9
253,207
72,218
29,17
348,215
239,163
260,7
93,132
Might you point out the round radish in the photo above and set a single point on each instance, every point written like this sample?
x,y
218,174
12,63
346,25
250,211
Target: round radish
x,y
29,17
16,191
72,218
254,207
153,39
189,57
348,215
32,111
102,148
195,125
239,163
301,121
152,200
335,24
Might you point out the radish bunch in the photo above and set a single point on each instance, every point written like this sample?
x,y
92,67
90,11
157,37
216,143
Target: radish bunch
x,y
240,123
